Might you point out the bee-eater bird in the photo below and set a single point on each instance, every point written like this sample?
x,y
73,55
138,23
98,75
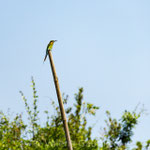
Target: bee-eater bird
x,y
49,47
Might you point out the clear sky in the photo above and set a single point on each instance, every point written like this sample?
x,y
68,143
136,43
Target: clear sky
x,y
103,46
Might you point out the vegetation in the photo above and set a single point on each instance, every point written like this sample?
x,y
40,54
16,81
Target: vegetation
x,y
15,134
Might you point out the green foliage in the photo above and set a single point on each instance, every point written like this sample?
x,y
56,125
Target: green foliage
x,y
18,135
53,133
11,132
118,134
32,113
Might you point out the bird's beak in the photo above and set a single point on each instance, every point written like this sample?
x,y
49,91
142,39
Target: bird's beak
x,y
55,40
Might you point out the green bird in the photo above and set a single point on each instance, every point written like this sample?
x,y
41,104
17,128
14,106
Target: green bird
x,y
49,47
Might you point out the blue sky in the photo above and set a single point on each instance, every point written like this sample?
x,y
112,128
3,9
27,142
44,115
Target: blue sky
x,y
102,46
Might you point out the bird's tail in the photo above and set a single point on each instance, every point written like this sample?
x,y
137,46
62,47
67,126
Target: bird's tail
x,y
45,58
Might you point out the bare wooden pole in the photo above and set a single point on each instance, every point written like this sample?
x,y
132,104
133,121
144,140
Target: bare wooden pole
x,y
69,144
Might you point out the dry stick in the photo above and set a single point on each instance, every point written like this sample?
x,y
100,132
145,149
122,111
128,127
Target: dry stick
x,y
69,144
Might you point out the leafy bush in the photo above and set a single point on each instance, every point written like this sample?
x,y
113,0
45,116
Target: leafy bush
x,y
15,134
